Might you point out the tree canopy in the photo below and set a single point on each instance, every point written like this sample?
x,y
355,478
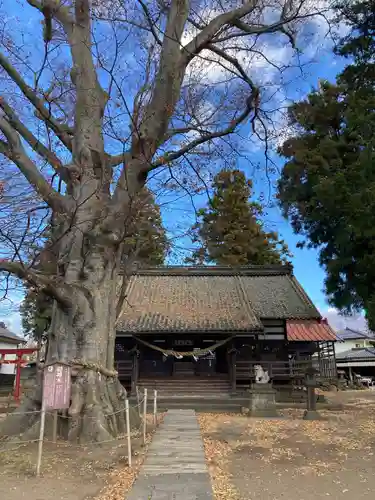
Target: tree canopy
x,y
230,230
327,186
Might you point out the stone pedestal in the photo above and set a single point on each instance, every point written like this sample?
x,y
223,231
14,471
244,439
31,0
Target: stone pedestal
x,y
311,413
262,401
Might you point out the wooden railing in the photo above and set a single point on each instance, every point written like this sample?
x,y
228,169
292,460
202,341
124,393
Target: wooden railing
x,y
277,370
124,368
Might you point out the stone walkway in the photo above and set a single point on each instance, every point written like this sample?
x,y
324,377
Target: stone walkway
x,y
175,467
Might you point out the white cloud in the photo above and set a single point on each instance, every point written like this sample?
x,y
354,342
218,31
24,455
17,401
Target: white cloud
x,y
13,323
338,322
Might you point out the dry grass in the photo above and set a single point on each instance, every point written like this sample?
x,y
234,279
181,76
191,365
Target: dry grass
x,y
72,472
304,447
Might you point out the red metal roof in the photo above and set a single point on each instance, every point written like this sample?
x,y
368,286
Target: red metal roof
x,y
309,330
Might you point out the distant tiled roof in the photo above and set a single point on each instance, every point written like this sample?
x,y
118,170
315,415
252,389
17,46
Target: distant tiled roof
x,y
350,334
309,331
363,353
9,336
212,299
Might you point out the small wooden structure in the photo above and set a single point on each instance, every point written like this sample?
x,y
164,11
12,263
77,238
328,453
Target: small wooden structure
x,y
210,323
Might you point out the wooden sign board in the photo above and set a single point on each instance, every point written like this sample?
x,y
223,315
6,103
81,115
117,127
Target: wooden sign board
x,y
56,387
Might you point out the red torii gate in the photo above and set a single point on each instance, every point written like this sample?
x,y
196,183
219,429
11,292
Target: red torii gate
x,y
19,362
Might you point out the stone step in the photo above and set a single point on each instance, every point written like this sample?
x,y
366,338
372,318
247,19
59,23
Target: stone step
x,y
198,404
190,390
184,386
202,407
187,381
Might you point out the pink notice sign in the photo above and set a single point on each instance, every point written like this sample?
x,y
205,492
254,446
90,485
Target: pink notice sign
x,y
56,387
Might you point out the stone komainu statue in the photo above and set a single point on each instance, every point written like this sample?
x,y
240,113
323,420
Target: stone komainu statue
x,y
261,376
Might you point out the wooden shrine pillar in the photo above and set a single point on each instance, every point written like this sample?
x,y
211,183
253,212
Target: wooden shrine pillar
x,y
135,372
17,383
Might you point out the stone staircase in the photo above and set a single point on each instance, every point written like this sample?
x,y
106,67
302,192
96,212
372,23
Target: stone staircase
x,y
206,394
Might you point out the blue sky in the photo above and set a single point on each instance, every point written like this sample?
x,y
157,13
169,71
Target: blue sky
x,y
179,215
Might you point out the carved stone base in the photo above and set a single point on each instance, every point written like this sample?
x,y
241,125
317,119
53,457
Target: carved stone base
x,y
262,401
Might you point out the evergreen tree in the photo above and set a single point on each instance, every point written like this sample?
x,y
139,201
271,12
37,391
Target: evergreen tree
x,y
36,308
145,244
327,186
145,238
230,231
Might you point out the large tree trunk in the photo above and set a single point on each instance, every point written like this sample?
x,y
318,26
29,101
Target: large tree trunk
x,y
84,337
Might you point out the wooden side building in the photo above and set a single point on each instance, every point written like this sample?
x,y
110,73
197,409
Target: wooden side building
x,y
217,323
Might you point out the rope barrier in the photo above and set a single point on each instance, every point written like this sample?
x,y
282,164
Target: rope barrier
x,y
22,444
107,415
51,412
133,433
22,412
172,352
139,433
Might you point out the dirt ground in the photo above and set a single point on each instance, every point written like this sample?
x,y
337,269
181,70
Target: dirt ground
x,y
89,472
289,458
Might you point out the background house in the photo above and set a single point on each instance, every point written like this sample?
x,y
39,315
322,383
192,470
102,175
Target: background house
x,y
355,353
348,339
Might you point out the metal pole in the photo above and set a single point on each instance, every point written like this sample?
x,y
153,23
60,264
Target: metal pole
x,y
128,432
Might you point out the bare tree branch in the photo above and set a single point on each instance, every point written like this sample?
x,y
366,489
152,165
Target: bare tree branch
x,y
35,144
206,35
19,156
234,62
167,85
43,283
38,103
169,157
150,22
272,28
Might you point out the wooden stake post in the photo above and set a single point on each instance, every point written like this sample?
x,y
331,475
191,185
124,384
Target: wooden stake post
x,y
128,432
138,400
54,427
155,408
144,416
41,437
